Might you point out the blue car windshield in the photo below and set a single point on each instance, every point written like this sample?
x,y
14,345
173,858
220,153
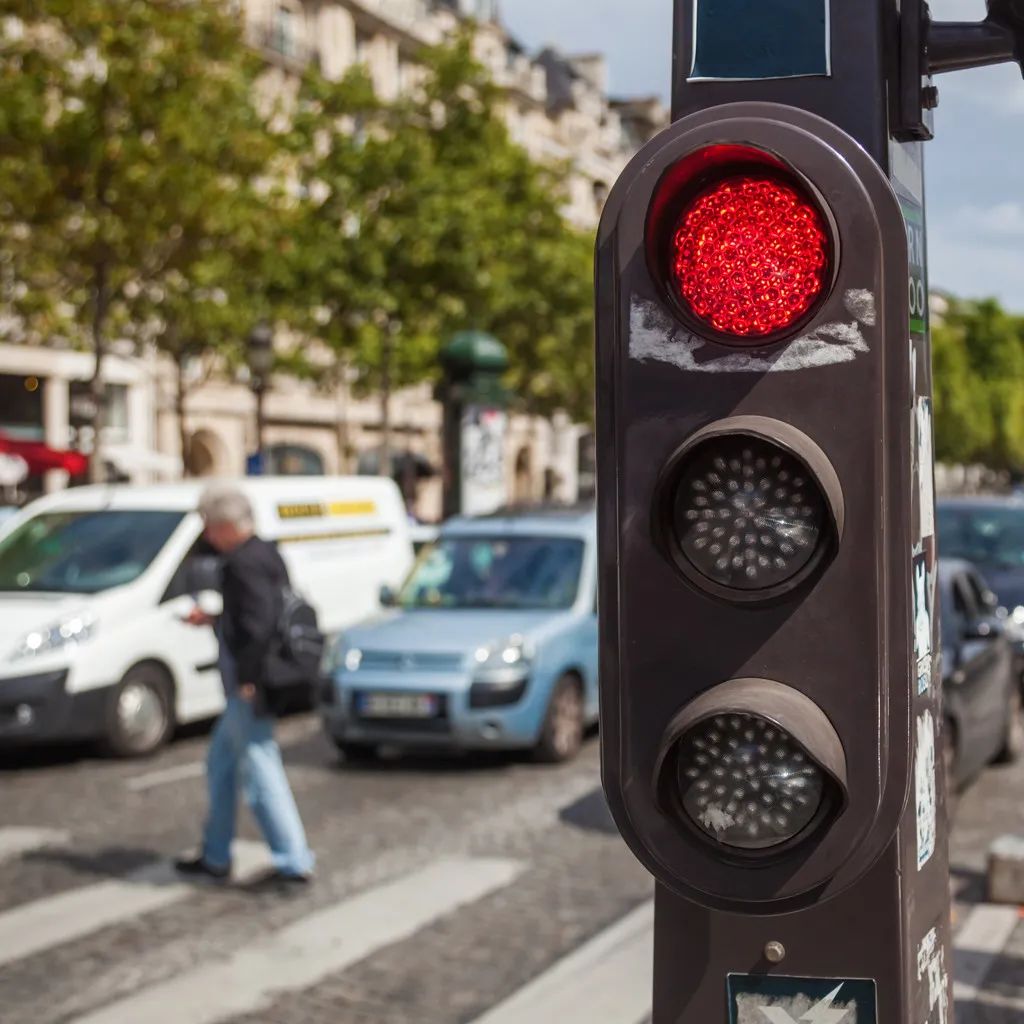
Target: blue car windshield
x,y
496,572
988,535
83,552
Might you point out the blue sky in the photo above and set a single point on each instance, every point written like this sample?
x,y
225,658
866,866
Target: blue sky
x,y
975,165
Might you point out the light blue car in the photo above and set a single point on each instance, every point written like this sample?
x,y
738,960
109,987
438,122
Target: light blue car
x,y
490,644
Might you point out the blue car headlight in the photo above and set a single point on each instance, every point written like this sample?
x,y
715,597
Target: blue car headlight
x,y
338,654
515,652
500,673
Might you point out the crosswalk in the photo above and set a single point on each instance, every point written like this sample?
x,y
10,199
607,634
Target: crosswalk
x,y
607,980
318,945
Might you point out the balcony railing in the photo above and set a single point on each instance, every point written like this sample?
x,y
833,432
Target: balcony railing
x,y
282,45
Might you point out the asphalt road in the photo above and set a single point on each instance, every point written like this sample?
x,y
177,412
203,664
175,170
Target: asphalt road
x,y
482,890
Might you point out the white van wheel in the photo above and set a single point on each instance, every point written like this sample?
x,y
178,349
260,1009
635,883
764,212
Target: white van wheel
x,y
139,719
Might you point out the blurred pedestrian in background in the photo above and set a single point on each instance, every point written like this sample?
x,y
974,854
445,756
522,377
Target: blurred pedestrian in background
x,y
243,754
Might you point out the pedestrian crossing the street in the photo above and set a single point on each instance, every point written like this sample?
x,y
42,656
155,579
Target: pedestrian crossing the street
x,y
606,980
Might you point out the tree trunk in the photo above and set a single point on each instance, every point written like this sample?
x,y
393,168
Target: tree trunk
x,y
180,392
97,384
385,402
341,435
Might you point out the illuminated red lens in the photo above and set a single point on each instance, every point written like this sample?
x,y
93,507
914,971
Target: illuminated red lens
x,y
750,255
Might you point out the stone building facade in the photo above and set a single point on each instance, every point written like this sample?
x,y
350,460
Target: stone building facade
x,y
556,106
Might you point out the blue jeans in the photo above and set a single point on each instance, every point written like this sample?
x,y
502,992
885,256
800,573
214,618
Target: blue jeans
x,y
243,755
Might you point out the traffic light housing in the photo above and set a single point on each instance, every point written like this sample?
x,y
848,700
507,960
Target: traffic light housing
x,y
754,472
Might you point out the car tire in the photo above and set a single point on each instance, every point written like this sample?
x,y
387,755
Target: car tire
x,y
140,716
1013,743
561,735
356,753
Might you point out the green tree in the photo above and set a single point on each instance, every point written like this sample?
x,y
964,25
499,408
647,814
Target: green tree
x,y
425,218
127,137
964,426
978,363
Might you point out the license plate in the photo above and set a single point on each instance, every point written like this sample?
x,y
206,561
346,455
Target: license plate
x,y
398,705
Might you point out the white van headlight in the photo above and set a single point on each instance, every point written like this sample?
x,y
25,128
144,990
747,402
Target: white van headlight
x,y
75,629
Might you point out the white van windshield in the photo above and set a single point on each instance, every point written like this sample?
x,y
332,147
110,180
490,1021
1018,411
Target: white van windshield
x,y
83,552
496,572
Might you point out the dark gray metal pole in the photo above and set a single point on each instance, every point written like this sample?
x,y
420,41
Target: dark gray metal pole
x,y
260,392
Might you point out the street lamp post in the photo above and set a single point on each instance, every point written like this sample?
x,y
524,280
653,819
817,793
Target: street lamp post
x,y
261,359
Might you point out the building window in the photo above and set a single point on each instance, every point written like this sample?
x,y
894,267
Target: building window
x,y
285,31
294,460
364,41
207,454
21,407
116,429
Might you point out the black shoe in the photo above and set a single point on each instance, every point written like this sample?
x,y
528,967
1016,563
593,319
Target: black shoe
x,y
196,867
280,881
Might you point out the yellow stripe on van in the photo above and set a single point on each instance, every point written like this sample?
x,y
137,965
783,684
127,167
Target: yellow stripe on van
x,y
335,509
352,508
310,538
307,510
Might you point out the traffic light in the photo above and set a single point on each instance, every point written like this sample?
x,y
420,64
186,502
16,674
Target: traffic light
x,y
752,273
771,707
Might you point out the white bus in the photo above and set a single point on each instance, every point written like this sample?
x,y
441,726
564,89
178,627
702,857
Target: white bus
x,y
95,582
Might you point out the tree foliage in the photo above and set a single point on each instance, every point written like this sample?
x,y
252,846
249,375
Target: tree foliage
x,y
426,218
978,369
149,192
130,153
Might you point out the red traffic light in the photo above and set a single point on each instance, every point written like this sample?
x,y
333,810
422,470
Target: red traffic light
x,y
750,254
742,243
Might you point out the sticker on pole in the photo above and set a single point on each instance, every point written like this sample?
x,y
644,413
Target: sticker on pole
x,y
746,40
769,999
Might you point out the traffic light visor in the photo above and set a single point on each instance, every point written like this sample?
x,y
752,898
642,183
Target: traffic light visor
x,y
752,765
750,508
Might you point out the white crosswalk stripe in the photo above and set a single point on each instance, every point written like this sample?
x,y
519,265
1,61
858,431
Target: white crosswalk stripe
x,y
16,840
37,926
314,947
180,773
606,980
982,937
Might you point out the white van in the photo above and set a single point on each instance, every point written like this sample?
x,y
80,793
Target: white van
x,y
95,581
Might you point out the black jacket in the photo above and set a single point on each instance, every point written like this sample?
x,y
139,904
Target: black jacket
x,y
253,583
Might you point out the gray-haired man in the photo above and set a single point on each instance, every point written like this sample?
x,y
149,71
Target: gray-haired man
x,y
243,754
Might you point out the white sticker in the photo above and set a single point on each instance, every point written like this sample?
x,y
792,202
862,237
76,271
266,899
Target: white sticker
x,y
924,786
931,961
923,609
653,334
925,469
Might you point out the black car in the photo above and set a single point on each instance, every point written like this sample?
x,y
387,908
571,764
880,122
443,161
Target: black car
x,y
989,533
981,690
